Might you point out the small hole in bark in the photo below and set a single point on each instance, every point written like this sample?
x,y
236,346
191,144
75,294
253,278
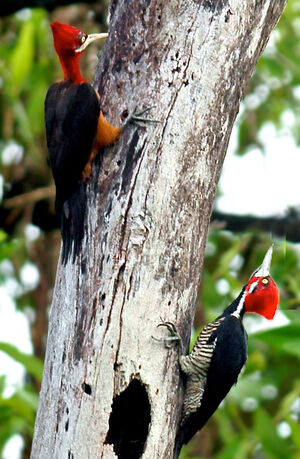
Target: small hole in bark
x,y
101,322
119,162
124,115
103,296
67,426
169,302
87,388
129,421
70,455
67,410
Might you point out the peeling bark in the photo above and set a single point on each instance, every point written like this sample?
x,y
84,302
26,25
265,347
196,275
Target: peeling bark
x,y
150,199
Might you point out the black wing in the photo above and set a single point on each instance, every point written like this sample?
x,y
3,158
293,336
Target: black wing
x,y
228,358
71,115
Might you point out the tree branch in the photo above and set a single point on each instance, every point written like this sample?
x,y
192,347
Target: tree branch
x,y
11,6
108,389
30,197
287,226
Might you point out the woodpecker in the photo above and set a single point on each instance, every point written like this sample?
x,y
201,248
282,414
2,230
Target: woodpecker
x,y
220,352
75,129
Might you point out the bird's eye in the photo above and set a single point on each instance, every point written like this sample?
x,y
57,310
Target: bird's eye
x,y
265,281
83,38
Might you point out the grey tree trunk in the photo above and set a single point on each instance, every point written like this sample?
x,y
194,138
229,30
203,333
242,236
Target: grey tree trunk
x,y
150,200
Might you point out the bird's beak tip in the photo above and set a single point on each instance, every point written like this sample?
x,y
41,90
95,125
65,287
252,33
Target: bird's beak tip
x,y
264,269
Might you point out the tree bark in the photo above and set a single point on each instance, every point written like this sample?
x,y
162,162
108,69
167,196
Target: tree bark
x,y
109,390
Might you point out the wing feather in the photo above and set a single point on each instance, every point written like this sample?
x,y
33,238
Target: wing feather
x,y
71,115
213,367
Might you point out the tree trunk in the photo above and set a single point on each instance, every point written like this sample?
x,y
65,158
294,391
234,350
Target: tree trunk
x,y
150,199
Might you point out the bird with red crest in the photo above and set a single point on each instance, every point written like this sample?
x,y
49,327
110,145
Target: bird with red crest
x,y
75,129
220,352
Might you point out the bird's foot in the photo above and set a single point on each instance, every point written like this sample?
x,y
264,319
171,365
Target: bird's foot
x,y
137,117
175,338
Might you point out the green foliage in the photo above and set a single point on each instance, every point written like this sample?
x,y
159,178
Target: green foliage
x,y
274,88
32,364
26,67
17,413
8,246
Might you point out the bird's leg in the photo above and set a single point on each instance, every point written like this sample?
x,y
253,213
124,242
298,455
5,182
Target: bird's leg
x,y
170,340
137,117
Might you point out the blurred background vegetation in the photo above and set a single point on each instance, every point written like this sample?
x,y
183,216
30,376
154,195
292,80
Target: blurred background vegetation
x,y
260,417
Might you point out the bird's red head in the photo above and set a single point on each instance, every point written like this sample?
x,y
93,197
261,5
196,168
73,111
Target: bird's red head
x,y
262,295
67,39
70,43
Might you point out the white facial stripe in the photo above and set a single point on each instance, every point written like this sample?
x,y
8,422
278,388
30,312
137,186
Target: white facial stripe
x,y
252,286
240,306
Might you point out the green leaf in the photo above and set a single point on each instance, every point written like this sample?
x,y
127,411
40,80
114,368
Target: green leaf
x,y
22,56
285,339
265,430
30,398
33,365
235,450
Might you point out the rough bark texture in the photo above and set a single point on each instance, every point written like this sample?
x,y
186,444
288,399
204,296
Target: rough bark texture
x,y
150,200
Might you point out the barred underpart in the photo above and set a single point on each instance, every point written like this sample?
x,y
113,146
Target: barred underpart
x,y
196,366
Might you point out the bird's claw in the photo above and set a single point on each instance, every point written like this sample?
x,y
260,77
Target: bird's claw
x,y
171,327
137,117
174,338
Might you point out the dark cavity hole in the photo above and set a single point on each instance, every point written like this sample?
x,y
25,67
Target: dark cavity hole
x,y
67,426
129,422
87,388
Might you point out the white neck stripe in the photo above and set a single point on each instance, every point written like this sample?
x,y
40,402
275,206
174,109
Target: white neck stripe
x,y
240,306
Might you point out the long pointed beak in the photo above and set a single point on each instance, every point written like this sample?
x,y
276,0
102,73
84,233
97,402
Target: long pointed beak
x,y
89,40
264,269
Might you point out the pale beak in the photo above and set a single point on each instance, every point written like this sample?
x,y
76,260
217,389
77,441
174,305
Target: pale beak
x,y
264,269
89,40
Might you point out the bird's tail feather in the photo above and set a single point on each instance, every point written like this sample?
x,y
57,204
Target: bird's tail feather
x,y
178,444
72,223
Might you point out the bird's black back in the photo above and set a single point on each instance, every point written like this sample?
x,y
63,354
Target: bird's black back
x,y
229,356
71,115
